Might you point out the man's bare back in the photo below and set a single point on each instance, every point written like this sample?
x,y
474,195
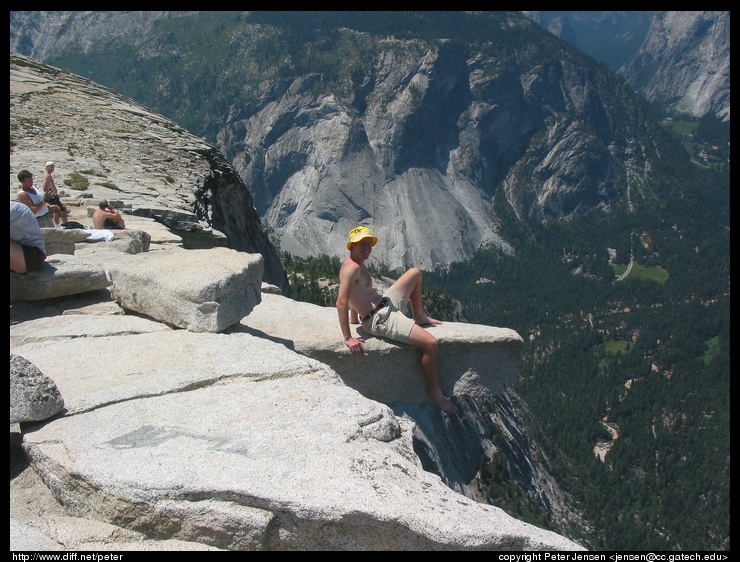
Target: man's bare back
x,y
107,217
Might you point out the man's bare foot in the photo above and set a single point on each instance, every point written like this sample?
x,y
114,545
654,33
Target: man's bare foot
x,y
427,321
444,403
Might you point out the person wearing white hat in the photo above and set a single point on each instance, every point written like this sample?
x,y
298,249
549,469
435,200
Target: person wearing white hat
x,y
383,316
51,195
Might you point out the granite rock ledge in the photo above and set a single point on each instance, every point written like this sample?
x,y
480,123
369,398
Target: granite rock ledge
x,y
240,440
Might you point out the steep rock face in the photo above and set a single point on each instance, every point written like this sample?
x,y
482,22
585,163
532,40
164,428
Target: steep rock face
x,y
421,150
685,63
125,152
318,167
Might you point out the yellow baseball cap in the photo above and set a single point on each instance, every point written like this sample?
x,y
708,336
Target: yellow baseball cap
x,y
358,233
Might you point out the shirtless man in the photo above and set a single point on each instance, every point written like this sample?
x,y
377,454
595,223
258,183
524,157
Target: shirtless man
x,y
51,195
107,217
382,315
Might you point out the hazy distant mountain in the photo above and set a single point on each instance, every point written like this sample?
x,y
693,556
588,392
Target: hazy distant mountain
x,y
684,63
610,37
679,60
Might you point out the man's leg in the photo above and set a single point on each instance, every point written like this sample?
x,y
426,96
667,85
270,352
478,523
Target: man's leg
x,y
17,258
115,223
409,285
427,343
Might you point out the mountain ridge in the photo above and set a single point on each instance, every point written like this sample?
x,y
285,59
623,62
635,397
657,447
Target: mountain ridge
x,y
412,137
678,60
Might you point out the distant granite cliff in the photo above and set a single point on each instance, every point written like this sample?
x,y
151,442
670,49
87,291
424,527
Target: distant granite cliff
x,y
684,63
678,60
429,139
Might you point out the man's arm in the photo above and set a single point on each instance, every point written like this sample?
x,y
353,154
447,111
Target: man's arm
x,y
26,200
346,276
343,312
111,213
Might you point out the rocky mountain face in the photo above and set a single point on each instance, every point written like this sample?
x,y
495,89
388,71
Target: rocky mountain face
x,y
684,63
417,142
678,60
428,140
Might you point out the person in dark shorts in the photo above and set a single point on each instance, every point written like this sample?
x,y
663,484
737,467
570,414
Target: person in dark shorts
x,y
106,217
51,195
27,245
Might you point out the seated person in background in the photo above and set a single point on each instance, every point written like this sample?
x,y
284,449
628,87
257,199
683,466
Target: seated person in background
x,y
33,198
27,245
51,195
107,217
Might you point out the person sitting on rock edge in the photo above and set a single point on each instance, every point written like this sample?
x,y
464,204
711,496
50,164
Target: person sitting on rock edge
x,y
106,217
27,244
382,315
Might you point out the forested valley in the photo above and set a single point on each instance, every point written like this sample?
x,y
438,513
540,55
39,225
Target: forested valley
x,y
639,367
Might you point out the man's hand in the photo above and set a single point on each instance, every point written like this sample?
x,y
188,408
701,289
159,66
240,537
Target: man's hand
x,y
355,345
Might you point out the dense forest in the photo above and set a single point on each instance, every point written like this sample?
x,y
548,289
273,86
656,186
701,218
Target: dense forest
x,y
639,365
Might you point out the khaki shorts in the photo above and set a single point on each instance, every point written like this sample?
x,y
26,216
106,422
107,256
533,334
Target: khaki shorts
x,y
45,220
390,322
